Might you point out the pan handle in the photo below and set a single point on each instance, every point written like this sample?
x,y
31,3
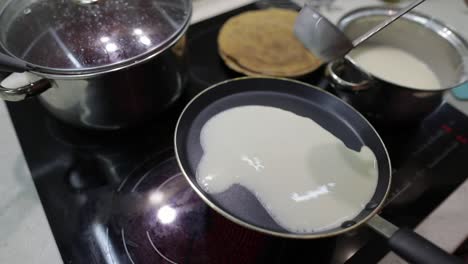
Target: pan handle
x,y
411,246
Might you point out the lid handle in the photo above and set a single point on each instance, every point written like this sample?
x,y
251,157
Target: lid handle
x,y
10,64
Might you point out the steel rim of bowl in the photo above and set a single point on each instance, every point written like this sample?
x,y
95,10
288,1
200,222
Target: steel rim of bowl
x,y
436,26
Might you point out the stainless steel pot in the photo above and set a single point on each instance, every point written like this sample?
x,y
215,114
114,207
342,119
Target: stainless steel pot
x,y
102,64
381,102
441,48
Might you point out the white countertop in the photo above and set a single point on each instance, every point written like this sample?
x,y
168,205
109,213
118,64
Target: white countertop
x,y
25,235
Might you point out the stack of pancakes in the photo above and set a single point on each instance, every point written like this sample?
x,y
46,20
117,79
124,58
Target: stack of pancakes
x,y
262,43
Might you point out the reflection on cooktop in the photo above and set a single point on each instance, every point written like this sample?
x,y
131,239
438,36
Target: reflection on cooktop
x,y
155,217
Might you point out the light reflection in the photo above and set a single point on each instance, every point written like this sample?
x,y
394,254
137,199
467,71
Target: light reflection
x,y
142,37
167,214
111,47
145,40
138,31
105,39
445,32
101,234
209,177
253,162
64,48
156,197
322,190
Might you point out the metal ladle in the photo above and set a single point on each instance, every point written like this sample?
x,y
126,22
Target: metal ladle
x,y
326,41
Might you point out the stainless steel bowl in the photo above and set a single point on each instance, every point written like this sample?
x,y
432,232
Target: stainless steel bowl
x,y
430,40
440,47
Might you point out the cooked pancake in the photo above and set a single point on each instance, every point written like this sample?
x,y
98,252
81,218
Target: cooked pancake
x,y
263,43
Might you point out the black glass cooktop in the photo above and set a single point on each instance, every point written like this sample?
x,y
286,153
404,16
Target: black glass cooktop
x,y
119,197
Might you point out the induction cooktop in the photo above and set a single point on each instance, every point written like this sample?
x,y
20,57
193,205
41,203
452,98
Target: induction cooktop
x,y
119,197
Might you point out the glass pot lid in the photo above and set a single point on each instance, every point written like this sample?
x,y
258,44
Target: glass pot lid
x,y
83,36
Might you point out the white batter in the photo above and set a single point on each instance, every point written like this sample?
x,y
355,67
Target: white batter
x,y
395,65
305,177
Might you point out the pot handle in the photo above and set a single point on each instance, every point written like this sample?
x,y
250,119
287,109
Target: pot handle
x,y
24,92
346,75
410,246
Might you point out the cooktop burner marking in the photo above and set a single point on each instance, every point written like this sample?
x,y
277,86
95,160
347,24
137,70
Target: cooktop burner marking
x,y
396,193
122,231
157,251
146,175
444,154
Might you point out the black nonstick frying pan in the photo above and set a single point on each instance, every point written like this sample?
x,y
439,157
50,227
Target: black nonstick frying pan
x,y
334,115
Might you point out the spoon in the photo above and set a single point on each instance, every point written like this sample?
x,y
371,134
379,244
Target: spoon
x,y
326,41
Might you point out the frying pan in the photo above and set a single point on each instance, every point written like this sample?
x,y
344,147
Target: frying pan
x,y
334,115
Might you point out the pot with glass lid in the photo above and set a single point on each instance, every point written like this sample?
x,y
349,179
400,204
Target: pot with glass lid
x,y
102,64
